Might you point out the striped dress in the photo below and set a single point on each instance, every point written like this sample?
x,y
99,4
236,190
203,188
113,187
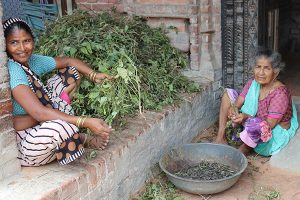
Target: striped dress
x,y
54,139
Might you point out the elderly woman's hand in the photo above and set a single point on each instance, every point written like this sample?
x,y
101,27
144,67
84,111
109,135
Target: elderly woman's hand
x,y
232,112
102,76
98,127
239,118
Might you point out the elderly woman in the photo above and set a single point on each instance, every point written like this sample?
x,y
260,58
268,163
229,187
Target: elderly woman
x,y
265,103
42,115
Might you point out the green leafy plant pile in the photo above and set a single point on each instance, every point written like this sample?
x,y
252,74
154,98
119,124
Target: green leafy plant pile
x,y
145,66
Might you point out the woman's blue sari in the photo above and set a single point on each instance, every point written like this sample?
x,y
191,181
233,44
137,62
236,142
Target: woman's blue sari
x,y
280,136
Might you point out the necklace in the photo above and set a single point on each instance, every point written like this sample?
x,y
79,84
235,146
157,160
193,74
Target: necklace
x,y
263,95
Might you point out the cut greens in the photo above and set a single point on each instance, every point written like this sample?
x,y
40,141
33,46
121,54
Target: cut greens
x,y
145,66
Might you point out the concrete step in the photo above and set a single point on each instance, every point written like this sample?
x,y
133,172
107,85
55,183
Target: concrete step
x,y
289,157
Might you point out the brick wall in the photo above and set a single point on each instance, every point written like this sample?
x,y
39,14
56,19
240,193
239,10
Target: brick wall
x,y
196,27
9,163
99,5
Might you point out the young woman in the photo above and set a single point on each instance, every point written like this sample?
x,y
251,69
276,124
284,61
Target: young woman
x,y
265,98
42,115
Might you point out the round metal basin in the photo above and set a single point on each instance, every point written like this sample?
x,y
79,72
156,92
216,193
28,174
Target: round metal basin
x,y
193,154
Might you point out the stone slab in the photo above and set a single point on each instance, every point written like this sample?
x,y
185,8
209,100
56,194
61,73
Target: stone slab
x,y
289,157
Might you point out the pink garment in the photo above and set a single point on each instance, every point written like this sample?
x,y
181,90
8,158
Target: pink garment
x,y
64,96
278,104
246,139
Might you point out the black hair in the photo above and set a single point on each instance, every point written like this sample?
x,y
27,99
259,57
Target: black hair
x,y
273,56
19,24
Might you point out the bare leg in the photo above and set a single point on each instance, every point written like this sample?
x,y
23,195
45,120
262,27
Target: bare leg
x,y
245,149
225,105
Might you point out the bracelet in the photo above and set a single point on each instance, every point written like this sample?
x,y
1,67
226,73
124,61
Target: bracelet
x,y
92,75
83,120
80,121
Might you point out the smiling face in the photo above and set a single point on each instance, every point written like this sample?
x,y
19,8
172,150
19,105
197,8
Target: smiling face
x,y
19,45
264,72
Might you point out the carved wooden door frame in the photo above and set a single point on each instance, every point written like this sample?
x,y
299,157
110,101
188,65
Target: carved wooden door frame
x,y
239,40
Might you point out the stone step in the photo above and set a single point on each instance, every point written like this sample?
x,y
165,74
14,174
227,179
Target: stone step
x,y
289,157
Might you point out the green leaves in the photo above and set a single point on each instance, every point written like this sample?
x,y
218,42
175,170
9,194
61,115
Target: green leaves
x,y
145,66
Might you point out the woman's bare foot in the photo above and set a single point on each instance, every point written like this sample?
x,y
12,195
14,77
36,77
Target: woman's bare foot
x,y
246,150
220,140
94,141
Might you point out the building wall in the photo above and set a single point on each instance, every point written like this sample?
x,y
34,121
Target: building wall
x,y
193,26
9,164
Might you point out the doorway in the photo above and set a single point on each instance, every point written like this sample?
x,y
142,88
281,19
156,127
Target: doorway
x,y
279,29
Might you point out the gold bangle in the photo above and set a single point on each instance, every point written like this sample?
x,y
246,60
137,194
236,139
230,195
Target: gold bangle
x,y
83,120
92,75
89,75
78,121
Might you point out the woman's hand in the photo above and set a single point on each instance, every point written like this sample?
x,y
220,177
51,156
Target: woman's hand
x,y
232,112
101,76
98,127
239,118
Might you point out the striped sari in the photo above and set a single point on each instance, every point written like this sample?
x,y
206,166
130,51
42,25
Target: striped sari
x,y
54,139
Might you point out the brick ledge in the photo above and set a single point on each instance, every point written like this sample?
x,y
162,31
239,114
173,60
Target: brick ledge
x,y
122,168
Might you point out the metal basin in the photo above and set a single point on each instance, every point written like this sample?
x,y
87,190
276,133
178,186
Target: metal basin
x,y
190,154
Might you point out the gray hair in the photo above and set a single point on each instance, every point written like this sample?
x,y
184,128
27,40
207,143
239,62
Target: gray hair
x,y
274,57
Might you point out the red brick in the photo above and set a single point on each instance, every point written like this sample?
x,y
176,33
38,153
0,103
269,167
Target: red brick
x,y
193,10
206,38
84,6
102,6
81,1
128,136
149,1
170,2
116,146
69,188
6,123
204,2
100,164
194,49
205,9
194,39
5,77
5,93
10,139
5,107
82,182
92,174
195,57
177,1
194,29
106,158
114,1
51,195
